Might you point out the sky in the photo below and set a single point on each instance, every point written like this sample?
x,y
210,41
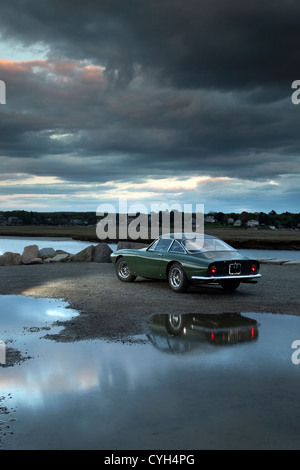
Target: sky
x,y
156,101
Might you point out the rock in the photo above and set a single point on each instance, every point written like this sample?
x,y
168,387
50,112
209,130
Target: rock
x,y
131,245
292,262
265,260
46,252
275,261
44,257
57,258
36,261
29,253
85,255
2,260
102,253
12,259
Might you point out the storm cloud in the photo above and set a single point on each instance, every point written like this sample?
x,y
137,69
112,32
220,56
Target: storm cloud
x,y
136,91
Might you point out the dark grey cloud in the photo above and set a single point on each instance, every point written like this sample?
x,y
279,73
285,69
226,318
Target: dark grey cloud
x,y
65,109
224,44
139,89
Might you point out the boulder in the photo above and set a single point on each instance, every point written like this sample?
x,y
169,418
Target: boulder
x,y
2,260
36,261
131,245
46,253
12,259
57,258
85,255
274,261
287,262
102,253
29,253
44,257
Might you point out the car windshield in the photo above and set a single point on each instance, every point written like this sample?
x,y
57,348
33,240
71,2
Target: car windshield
x,y
202,245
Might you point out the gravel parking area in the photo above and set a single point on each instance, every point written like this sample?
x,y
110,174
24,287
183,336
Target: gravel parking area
x,y
112,309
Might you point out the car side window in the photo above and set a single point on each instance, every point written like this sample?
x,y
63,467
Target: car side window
x,y
177,247
163,244
152,247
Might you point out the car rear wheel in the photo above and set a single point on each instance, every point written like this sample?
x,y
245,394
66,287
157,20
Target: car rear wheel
x,y
177,278
174,324
230,284
123,271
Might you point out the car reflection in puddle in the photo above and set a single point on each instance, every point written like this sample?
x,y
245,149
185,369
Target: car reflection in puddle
x,y
188,332
229,383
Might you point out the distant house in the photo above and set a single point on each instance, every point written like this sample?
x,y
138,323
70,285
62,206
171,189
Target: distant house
x,y
76,222
238,223
230,221
3,220
15,221
252,223
210,219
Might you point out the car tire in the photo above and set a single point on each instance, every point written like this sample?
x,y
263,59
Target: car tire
x,y
230,285
177,278
123,271
174,324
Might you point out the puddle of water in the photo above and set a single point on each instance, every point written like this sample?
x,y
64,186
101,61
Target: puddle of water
x,y
17,310
193,382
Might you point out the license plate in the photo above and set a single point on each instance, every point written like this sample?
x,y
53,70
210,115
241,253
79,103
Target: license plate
x,y
235,268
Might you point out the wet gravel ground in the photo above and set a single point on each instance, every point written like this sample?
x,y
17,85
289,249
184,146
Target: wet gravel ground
x,y
112,309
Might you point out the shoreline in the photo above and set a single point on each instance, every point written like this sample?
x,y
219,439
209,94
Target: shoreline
x,y
237,238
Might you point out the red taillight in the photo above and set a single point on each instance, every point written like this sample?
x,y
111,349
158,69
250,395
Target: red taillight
x,y
254,268
213,269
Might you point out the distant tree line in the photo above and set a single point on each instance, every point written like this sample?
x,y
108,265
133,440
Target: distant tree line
x,y
285,219
48,218
271,219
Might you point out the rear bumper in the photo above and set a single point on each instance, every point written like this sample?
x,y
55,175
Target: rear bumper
x,y
242,277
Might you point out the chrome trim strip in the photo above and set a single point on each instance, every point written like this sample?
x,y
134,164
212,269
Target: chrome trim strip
x,y
216,278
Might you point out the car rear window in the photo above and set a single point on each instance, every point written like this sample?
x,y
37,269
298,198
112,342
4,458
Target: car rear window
x,y
201,245
177,247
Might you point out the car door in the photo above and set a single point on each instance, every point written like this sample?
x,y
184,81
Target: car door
x,y
149,261
172,253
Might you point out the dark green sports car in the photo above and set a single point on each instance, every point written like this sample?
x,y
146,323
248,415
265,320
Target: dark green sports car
x,y
185,259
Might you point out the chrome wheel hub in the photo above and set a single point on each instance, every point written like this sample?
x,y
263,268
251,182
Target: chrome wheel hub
x,y
124,270
175,277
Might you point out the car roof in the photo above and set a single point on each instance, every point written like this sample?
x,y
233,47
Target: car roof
x,y
185,236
